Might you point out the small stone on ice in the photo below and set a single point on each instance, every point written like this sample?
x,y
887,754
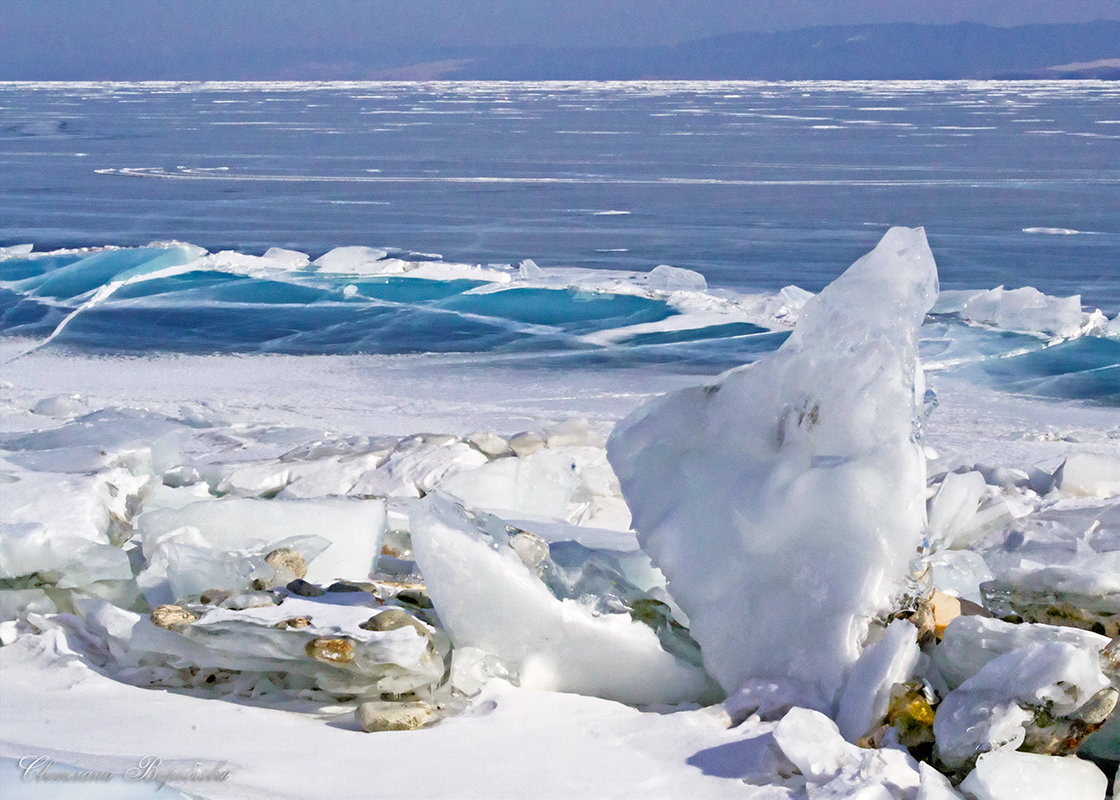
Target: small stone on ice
x,y
211,597
171,617
946,608
304,589
375,716
391,619
331,651
294,622
1009,775
345,586
285,558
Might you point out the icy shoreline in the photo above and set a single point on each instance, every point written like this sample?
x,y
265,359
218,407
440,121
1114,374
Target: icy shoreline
x,y
148,438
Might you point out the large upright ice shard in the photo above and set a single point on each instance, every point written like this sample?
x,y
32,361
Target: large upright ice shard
x,y
784,502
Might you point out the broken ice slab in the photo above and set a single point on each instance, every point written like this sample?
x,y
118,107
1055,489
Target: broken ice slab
x,y
472,668
785,501
1073,596
567,479
99,268
1069,532
664,278
354,259
893,659
326,639
417,465
1090,474
66,529
1013,696
139,441
963,508
500,591
352,527
959,573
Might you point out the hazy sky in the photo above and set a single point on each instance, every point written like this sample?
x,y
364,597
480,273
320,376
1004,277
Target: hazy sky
x,y
79,35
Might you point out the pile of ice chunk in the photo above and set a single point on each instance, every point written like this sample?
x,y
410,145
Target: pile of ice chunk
x,y
187,551
785,502
1026,310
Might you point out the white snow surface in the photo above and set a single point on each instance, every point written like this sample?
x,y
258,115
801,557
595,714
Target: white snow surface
x,y
785,501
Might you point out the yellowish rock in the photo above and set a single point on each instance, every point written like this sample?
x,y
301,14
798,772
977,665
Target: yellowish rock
x,y
338,650
171,616
946,608
379,715
287,559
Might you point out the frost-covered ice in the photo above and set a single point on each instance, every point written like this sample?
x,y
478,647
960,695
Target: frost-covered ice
x,y
785,502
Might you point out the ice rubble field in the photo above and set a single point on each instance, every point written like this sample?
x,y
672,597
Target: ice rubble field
x,y
841,584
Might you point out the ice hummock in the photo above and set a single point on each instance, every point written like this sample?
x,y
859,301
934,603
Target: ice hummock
x,y
785,501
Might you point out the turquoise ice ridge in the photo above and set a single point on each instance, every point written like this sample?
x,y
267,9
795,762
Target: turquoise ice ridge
x,y
178,298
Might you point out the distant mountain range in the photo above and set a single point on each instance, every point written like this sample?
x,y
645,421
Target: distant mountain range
x,y
849,52
895,51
